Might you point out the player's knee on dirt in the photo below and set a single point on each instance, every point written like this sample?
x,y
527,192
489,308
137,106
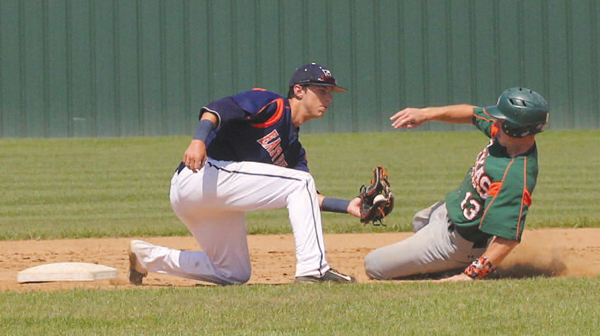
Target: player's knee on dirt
x,y
237,277
373,269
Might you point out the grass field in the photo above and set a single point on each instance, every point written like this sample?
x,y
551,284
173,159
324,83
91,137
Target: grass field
x,y
504,307
70,188
119,187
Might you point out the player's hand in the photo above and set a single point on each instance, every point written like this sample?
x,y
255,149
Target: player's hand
x,y
195,155
354,207
455,278
409,118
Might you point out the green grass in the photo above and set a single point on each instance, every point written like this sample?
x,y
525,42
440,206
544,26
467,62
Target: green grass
x,y
119,187
537,306
70,188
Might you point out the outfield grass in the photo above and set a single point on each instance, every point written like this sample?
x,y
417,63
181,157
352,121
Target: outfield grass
x,y
119,187
539,306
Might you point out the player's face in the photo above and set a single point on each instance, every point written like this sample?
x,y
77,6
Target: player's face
x,y
317,100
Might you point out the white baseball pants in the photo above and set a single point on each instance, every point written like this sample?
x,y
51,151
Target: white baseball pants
x,y
212,204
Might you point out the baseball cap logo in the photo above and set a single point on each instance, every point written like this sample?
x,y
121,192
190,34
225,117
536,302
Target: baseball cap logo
x,y
326,72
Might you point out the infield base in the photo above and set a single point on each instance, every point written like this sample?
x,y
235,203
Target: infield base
x,y
66,271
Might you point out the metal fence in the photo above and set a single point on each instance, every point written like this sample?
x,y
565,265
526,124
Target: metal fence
x,y
112,68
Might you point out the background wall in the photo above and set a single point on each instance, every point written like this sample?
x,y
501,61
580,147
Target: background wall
x,y
106,68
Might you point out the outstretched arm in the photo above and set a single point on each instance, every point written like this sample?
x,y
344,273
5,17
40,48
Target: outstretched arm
x,y
414,117
496,252
341,206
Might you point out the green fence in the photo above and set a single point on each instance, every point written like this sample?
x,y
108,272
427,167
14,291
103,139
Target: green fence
x,y
106,68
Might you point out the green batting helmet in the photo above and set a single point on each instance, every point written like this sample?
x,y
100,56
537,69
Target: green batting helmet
x,y
524,111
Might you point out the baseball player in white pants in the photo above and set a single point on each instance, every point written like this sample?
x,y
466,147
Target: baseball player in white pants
x,y
246,156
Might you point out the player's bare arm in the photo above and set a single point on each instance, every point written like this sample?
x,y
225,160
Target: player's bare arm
x,y
359,207
354,207
414,117
496,252
195,155
351,207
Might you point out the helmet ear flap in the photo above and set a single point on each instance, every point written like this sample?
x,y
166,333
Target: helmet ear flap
x,y
515,131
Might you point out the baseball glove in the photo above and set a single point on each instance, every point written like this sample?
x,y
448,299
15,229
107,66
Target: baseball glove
x,y
377,199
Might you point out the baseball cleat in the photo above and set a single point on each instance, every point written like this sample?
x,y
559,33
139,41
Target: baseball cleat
x,y
136,271
330,276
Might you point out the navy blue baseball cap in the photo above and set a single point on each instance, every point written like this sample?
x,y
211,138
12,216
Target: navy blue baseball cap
x,y
315,74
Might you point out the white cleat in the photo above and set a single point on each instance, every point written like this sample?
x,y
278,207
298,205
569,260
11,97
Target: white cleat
x,y
330,276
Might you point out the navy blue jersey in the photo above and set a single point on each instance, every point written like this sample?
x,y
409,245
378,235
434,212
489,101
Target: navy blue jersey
x,y
255,126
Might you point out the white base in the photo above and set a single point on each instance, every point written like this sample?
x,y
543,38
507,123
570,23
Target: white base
x,y
67,271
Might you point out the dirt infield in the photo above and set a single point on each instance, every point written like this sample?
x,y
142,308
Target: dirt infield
x,y
548,252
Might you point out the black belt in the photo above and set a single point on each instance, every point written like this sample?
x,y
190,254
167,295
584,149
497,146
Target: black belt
x,y
476,244
180,168
480,244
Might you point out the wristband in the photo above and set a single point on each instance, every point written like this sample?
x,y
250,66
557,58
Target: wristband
x,y
335,205
479,268
204,129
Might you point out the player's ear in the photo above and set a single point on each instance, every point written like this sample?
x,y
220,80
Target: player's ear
x,y
299,91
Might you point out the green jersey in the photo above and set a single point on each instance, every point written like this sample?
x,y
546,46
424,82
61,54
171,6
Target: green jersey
x,y
494,197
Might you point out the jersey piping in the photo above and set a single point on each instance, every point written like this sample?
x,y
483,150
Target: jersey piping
x,y
498,192
496,189
215,113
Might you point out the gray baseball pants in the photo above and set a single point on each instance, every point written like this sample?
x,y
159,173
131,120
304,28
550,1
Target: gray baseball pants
x,y
434,248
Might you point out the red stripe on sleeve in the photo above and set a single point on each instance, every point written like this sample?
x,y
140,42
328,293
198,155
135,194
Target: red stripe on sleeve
x,y
276,116
494,188
494,130
527,198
